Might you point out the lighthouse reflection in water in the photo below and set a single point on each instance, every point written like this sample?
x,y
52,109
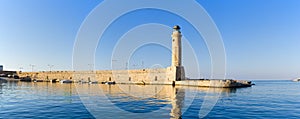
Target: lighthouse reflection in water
x,y
155,101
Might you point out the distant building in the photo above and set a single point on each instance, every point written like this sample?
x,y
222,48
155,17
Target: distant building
x,y
1,67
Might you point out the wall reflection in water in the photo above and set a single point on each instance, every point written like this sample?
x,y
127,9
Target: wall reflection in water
x,y
144,101
114,101
22,91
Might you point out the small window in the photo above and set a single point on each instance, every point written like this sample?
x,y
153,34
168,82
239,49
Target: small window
x,y
129,79
155,78
109,78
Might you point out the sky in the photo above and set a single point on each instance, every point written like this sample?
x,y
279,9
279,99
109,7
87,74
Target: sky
x,y
261,37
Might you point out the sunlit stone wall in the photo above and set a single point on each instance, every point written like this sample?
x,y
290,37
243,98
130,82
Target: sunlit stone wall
x,y
139,76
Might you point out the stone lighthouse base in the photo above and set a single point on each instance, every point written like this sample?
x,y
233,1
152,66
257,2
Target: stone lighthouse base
x,y
180,74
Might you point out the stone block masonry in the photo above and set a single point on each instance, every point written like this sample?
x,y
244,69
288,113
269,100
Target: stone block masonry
x,y
139,76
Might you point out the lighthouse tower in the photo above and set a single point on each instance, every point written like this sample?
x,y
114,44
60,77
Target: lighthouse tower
x,y
177,53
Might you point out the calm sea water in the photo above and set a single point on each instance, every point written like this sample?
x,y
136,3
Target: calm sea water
x,y
266,99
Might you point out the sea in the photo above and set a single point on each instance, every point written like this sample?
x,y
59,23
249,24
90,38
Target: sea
x,y
267,99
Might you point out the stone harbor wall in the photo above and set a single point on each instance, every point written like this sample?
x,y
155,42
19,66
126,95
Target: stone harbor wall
x,y
140,76
166,76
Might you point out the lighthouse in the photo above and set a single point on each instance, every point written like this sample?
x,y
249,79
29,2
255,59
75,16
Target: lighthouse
x,y
176,46
177,53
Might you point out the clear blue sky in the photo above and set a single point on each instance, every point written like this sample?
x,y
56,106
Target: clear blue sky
x,y
261,37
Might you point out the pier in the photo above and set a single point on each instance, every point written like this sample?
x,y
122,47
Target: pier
x,y
172,75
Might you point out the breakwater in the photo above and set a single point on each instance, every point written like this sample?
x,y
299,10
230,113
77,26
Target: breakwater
x,y
165,76
173,75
